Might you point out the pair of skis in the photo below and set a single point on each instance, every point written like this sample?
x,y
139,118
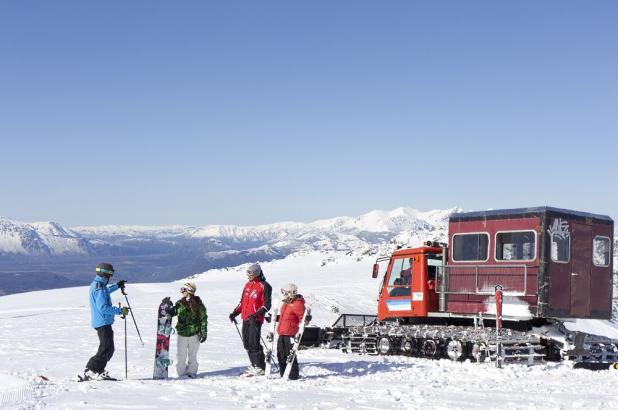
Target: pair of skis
x,y
272,337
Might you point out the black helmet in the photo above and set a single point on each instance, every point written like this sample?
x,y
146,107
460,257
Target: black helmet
x,y
105,269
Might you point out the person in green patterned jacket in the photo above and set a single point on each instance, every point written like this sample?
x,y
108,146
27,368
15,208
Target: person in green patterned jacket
x,y
192,329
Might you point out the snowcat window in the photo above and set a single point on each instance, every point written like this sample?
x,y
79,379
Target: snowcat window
x,y
470,247
433,265
560,248
516,246
400,278
600,251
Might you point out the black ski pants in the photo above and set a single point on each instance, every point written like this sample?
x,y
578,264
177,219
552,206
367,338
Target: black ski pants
x,y
251,331
284,347
98,362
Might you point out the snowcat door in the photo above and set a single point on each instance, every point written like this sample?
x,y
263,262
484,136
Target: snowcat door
x,y
581,261
434,268
396,297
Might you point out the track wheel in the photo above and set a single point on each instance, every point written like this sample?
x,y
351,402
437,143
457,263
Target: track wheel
x,y
406,346
454,350
384,345
429,348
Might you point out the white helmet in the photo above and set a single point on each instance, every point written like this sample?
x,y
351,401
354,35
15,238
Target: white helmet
x,y
289,290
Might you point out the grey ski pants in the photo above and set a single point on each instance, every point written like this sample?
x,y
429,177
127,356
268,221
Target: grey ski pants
x,y
187,348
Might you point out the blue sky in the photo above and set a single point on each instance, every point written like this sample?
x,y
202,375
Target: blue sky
x,y
252,112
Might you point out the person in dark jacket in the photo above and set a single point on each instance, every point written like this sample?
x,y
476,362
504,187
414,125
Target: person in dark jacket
x,y
192,329
291,314
102,317
254,303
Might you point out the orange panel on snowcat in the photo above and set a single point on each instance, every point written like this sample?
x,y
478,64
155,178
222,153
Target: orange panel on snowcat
x,y
408,287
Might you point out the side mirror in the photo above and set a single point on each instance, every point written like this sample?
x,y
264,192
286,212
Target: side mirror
x,y
376,270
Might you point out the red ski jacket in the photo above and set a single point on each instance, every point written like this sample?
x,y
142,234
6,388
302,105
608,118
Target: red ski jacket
x,y
290,315
255,299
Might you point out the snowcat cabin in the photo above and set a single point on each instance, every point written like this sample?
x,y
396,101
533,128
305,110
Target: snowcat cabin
x,y
551,262
409,284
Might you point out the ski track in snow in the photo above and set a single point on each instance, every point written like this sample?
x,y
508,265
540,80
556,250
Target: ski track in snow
x,y
48,333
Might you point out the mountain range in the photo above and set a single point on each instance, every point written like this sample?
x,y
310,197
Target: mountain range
x,y
44,255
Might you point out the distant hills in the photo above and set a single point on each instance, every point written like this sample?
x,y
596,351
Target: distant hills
x,y
44,255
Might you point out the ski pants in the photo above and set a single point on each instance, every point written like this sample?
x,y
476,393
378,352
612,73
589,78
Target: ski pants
x,y
98,362
284,347
187,346
251,332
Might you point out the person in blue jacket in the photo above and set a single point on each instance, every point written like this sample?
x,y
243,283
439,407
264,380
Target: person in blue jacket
x,y
102,316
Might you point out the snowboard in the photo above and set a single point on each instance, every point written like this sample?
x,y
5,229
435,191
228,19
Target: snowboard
x,y
164,330
271,341
297,339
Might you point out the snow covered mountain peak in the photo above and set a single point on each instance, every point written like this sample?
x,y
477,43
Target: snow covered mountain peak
x,y
340,233
39,238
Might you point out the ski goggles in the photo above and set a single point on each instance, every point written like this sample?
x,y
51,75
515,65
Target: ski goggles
x,y
107,272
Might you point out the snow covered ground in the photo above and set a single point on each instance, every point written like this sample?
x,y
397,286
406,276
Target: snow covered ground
x,y
48,334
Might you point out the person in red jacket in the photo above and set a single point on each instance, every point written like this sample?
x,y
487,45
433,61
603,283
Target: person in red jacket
x,y
254,303
291,313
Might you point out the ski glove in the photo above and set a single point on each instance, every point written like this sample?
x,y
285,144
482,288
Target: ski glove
x,y
308,318
261,312
121,284
203,338
124,311
233,316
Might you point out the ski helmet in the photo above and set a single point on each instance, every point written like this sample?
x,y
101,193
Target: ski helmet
x,y
289,290
254,270
104,269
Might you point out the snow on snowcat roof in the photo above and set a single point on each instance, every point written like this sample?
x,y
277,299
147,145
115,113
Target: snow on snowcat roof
x,y
528,212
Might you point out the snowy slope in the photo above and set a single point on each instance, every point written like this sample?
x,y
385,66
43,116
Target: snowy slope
x,y
48,334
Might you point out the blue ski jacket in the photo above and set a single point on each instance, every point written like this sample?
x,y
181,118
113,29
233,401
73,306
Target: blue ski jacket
x,y
101,310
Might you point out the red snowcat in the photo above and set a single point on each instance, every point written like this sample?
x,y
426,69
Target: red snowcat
x,y
438,301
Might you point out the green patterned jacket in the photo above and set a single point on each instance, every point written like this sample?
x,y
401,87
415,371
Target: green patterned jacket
x,y
189,323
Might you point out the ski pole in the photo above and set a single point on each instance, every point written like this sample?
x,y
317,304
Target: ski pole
x,y
126,371
238,330
126,367
133,317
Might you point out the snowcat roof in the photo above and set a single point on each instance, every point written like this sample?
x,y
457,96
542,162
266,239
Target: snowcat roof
x,y
528,212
